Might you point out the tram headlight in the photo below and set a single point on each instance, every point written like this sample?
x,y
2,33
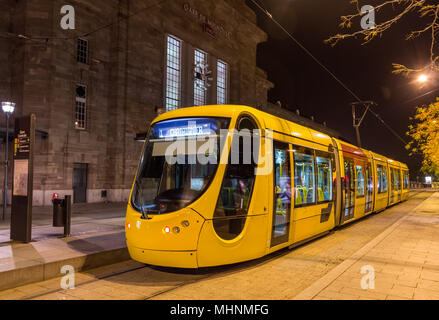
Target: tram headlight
x,y
166,230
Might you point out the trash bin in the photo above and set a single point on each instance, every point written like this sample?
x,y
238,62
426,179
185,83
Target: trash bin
x,y
58,212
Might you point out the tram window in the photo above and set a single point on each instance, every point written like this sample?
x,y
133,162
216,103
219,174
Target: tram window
x,y
394,179
398,179
405,180
282,193
324,166
235,194
382,179
304,183
360,181
164,186
349,187
369,187
384,182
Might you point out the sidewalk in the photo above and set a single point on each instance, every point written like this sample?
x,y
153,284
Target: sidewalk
x,y
97,239
405,259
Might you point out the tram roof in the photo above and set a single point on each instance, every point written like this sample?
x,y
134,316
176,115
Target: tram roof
x,y
233,111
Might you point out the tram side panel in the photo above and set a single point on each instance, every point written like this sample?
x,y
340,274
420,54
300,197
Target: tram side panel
x,y
381,184
231,240
315,190
405,182
394,186
357,196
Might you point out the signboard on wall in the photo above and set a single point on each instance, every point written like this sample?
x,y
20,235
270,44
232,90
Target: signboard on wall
x,y
22,187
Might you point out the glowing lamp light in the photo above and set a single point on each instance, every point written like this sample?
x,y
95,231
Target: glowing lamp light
x,y
166,229
129,226
428,180
8,107
423,78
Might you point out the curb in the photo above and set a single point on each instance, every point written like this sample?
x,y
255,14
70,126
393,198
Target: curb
x,y
37,271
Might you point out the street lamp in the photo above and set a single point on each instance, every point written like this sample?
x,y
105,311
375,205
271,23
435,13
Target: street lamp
x,y
423,78
8,109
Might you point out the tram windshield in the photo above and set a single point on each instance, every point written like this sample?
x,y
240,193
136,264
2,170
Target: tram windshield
x,y
179,162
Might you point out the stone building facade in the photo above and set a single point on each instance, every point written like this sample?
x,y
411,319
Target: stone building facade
x,y
94,87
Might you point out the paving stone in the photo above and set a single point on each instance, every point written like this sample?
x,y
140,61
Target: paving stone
x,y
280,278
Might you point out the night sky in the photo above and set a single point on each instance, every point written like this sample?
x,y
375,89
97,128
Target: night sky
x,y
300,83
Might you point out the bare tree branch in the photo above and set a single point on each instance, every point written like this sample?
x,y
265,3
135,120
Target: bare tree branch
x,y
402,8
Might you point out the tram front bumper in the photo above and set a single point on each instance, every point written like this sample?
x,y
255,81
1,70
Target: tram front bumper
x,y
175,259
169,240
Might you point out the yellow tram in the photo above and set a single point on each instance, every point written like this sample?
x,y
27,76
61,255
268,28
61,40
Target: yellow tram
x,y
299,184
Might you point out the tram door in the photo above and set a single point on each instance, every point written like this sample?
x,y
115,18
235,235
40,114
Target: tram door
x,y
398,183
392,185
282,194
349,189
369,188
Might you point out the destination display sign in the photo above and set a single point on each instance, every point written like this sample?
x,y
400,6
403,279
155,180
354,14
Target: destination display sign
x,y
185,128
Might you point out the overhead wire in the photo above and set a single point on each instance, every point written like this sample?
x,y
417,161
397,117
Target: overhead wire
x,y
338,80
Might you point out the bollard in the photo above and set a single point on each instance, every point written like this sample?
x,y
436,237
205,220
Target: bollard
x,y
58,212
67,215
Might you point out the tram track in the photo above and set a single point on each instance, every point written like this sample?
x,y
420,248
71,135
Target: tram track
x,y
204,274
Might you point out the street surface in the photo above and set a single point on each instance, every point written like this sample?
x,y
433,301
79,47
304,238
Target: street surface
x,y
401,244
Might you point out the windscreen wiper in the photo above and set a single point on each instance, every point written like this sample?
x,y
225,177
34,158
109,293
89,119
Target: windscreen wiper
x,y
144,213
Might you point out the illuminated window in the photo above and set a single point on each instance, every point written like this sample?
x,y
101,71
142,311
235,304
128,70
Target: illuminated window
x,y
173,73
222,83
81,107
82,50
360,181
325,168
200,81
304,176
406,180
382,179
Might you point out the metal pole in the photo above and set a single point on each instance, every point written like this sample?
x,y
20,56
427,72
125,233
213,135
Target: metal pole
x,y
5,185
356,125
357,130
359,120
67,215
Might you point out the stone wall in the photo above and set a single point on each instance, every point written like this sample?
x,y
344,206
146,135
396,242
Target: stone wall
x,y
124,78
